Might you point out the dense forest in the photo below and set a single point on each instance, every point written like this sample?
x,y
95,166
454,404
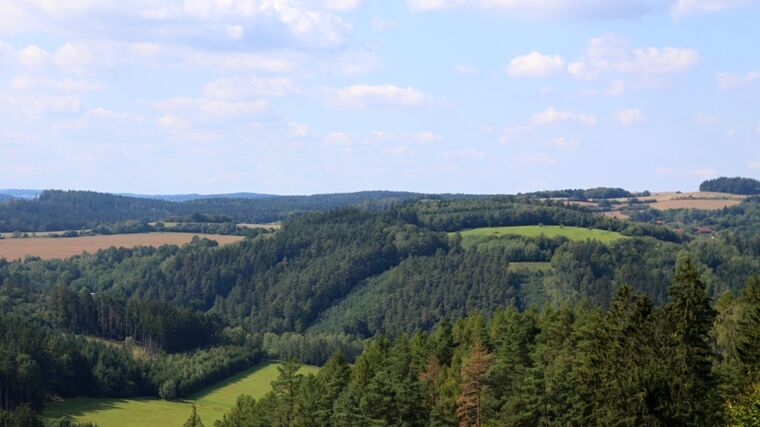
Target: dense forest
x,y
536,325
746,186
635,364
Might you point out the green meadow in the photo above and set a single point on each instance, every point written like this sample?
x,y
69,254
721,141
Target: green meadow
x,y
212,403
483,235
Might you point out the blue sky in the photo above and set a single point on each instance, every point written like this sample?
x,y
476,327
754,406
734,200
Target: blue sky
x,y
301,97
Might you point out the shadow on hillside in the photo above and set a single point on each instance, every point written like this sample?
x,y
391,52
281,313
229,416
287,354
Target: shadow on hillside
x,y
82,406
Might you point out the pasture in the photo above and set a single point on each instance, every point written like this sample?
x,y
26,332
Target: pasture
x,y
63,247
482,235
212,403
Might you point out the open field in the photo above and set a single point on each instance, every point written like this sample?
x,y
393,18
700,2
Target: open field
x,y
705,204
212,403
550,231
62,247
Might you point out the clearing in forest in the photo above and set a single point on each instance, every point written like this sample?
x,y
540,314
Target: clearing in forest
x,y
63,247
478,235
212,403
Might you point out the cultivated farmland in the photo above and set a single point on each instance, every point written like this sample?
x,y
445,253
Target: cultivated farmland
x,y
212,403
62,247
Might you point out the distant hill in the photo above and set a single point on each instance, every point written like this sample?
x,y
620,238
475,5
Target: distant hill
x,y
19,194
195,196
736,185
65,210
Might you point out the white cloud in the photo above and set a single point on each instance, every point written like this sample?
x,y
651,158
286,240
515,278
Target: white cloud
x,y
32,106
381,96
562,142
535,64
30,83
466,70
468,153
169,121
298,130
379,24
706,120
630,116
610,55
753,166
215,108
688,7
552,115
340,138
234,32
419,137
614,54
664,171
342,5
249,87
33,57
729,81
547,8
105,113
184,21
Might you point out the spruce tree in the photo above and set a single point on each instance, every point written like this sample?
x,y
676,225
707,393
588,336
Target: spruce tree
x,y
692,387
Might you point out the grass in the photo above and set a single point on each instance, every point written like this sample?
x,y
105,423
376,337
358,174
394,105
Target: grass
x,y
212,403
477,235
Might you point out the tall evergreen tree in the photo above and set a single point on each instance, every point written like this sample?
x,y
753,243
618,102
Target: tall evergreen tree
x,y
474,369
692,386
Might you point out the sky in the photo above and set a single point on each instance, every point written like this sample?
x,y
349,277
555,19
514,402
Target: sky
x,y
303,97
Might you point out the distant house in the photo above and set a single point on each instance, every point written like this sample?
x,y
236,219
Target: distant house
x,y
660,222
704,230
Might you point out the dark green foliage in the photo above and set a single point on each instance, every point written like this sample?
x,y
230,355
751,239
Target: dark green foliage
x,y
578,194
736,185
66,210
632,365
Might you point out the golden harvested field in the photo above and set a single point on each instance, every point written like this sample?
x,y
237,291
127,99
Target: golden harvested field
x,y
706,204
62,247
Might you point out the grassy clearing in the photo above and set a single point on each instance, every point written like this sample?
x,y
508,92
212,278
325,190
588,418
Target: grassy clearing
x,y
63,247
476,235
212,403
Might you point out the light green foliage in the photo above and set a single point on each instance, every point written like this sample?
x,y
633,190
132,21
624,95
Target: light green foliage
x,y
480,235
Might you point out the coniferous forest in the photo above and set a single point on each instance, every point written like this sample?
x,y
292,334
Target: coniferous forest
x,y
412,324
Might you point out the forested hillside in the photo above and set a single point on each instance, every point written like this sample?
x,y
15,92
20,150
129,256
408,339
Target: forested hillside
x,y
746,186
57,210
326,281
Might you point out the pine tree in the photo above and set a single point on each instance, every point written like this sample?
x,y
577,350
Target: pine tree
x,y
473,373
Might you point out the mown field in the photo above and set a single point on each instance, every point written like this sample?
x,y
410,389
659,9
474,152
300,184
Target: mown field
x,y
212,403
478,235
62,247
